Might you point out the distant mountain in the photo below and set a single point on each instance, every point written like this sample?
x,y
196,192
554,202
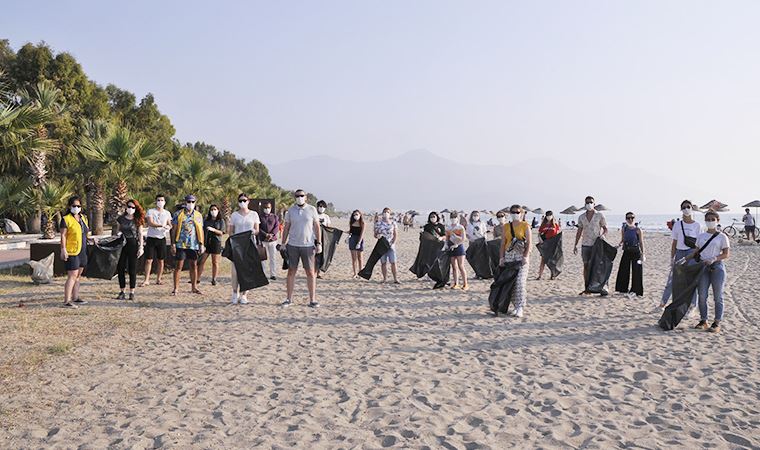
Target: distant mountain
x,y
422,180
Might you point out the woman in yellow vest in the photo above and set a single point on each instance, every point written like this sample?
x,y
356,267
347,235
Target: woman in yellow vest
x,y
74,232
515,246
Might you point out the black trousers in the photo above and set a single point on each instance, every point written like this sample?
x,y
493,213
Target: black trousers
x,y
128,261
630,270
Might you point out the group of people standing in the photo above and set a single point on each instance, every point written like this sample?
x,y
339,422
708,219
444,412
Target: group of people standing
x,y
193,239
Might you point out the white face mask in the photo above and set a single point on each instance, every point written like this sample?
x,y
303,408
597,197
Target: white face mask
x,y
386,215
476,218
243,203
515,217
267,210
433,220
321,209
300,201
549,217
356,216
711,224
190,206
130,210
589,206
160,203
686,212
502,220
76,209
214,213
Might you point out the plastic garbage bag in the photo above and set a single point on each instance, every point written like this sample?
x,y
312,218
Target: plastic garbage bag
x,y
427,253
242,251
441,270
600,266
11,226
685,283
42,270
551,252
330,239
103,257
479,259
381,247
502,288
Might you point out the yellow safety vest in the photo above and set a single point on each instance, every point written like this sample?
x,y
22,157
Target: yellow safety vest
x,y
74,237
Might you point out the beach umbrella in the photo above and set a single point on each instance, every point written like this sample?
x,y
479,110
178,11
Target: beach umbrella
x,y
570,210
753,204
714,205
601,207
538,211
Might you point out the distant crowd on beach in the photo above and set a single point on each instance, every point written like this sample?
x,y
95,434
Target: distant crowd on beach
x,y
448,237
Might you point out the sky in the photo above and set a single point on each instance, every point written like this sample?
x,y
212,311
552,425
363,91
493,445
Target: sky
x,y
672,87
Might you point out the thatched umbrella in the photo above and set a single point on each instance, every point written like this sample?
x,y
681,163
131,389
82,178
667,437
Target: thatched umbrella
x,y
601,207
538,211
753,204
570,210
715,205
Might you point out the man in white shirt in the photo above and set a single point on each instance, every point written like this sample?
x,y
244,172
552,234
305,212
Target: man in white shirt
x,y
159,222
301,237
749,225
591,226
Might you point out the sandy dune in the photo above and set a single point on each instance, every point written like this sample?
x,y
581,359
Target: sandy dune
x,y
394,366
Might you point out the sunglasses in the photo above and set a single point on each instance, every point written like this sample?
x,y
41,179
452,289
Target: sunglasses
x,y
300,195
190,201
78,206
514,212
630,217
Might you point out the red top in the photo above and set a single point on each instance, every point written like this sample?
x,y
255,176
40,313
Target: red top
x,y
549,230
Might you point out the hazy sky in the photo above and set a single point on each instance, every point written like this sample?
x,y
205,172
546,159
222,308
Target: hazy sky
x,y
673,86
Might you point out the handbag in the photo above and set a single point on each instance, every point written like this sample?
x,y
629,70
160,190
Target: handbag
x,y
261,249
689,241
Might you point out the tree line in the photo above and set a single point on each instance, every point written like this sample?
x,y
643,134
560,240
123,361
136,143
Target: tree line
x,y
61,133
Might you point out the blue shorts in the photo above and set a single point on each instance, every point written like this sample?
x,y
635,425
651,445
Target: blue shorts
x,y
186,253
76,262
389,257
457,251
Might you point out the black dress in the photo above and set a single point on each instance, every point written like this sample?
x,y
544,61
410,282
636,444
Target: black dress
x,y
213,240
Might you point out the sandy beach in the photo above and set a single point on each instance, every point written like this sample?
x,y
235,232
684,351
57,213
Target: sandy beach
x,y
379,365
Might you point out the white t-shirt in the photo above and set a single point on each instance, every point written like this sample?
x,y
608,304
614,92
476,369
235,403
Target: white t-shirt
x,y
456,234
301,220
749,221
692,229
476,230
716,246
324,219
160,217
241,223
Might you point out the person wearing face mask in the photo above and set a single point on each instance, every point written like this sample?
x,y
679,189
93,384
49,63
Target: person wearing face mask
x,y
712,249
388,228
130,227
515,247
213,226
591,226
74,234
269,232
434,227
456,235
475,228
187,242
324,219
631,263
498,229
356,241
683,241
302,238
159,222
241,221
548,229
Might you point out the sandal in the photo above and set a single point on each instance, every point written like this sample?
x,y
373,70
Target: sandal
x,y
196,291
174,293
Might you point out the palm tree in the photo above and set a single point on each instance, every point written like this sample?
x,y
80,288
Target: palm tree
x,y
49,198
120,158
195,176
12,202
45,97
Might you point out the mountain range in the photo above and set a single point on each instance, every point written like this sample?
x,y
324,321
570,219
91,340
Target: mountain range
x,y
422,180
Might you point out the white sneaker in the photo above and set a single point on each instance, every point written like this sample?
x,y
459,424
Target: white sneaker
x,y
244,299
234,299
519,312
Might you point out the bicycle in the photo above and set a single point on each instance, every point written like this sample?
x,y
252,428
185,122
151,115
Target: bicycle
x,y
732,231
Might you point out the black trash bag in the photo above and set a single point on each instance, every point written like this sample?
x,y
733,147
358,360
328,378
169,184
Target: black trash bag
x,y
479,259
103,257
493,246
381,247
330,239
551,252
600,266
441,270
503,286
685,283
284,254
429,249
243,253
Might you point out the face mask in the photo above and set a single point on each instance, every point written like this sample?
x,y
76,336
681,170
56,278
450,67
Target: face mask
x,y
386,215
589,206
475,218
502,220
515,217
243,203
214,213
711,224
130,210
686,212
549,217
160,203
356,216
76,209
433,220
267,210
320,210
190,206
300,201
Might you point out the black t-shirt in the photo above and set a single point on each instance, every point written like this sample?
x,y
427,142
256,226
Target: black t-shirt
x,y
436,229
128,227
85,230
217,223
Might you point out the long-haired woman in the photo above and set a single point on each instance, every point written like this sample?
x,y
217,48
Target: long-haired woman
x,y
213,227
74,232
548,229
356,240
130,226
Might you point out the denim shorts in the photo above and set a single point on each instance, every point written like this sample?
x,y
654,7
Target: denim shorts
x,y
389,257
457,251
